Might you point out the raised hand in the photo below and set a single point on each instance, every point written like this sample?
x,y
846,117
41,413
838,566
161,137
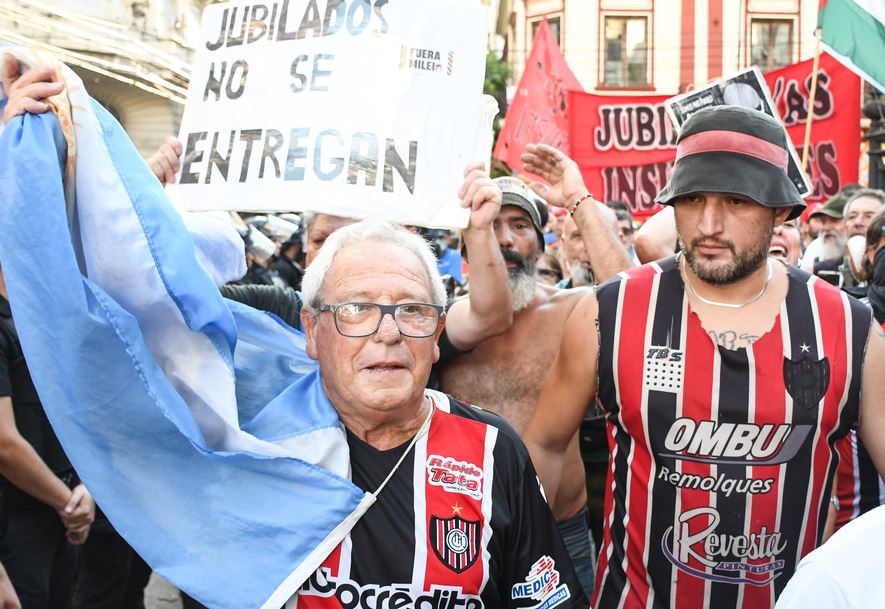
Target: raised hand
x,y
165,161
481,195
561,172
26,92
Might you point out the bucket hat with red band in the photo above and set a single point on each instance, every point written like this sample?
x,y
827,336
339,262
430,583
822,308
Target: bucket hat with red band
x,y
735,150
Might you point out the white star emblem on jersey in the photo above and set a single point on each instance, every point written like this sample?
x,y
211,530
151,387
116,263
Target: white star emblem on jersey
x,y
805,348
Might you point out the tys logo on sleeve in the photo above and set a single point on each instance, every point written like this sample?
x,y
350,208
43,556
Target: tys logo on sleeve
x,y
720,557
455,476
542,584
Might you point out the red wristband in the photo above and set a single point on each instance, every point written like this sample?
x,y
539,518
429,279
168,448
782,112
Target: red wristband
x,y
574,207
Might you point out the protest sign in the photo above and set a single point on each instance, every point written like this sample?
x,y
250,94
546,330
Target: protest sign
x,y
361,108
834,154
746,88
539,113
625,145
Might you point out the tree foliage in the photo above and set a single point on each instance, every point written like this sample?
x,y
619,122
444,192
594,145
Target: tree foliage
x,y
497,76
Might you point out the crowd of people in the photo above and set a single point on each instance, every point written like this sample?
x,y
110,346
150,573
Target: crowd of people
x,y
700,395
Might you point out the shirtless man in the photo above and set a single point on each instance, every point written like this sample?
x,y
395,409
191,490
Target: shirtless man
x,y
726,378
505,373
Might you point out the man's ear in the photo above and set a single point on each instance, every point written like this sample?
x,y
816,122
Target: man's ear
x,y
781,214
309,319
436,335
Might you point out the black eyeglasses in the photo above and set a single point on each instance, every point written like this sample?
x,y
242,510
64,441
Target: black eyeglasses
x,y
361,319
548,273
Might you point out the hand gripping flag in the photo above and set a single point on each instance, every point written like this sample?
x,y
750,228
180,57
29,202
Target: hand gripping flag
x,y
176,407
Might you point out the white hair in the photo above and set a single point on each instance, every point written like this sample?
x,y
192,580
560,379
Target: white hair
x,y
860,193
366,233
307,221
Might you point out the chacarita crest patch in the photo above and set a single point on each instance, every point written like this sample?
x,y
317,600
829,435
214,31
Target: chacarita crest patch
x,y
455,541
807,380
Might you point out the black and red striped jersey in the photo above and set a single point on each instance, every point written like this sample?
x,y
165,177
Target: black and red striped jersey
x,y
462,524
859,487
721,461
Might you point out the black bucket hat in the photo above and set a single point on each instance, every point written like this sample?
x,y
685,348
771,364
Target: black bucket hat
x,y
735,150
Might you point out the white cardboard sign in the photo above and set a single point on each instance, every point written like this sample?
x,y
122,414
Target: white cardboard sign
x,y
361,108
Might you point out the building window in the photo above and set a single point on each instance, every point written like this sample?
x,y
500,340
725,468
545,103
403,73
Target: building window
x,y
771,43
555,23
625,53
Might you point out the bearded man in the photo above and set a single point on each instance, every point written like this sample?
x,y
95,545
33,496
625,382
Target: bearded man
x,y
727,378
505,373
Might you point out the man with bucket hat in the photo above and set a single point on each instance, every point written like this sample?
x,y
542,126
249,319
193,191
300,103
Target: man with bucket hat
x,y
726,378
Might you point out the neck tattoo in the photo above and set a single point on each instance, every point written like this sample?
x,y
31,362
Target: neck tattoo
x,y
729,305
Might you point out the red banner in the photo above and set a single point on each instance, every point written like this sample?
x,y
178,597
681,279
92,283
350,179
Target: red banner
x,y
626,145
538,114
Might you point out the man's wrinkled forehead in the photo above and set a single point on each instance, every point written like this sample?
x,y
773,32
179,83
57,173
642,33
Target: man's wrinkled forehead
x,y
570,228
863,204
514,212
351,260
327,224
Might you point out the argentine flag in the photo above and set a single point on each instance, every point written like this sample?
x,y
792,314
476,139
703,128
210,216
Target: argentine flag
x,y
199,425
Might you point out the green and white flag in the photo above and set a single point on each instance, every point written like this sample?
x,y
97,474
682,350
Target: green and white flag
x,y
853,31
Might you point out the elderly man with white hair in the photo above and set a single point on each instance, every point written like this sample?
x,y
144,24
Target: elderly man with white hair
x,y
461,521
455,516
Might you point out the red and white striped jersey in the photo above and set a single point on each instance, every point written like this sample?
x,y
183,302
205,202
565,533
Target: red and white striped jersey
x,y
859,487
721,460
462,524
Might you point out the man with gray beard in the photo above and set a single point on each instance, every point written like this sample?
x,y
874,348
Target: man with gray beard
x,y
505,373
825,254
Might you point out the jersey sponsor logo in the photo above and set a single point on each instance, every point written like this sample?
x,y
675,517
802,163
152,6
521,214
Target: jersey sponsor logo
x,y
352,595
807,380
726,555
455,541
542,584
717,484
663,369
455,476
733,443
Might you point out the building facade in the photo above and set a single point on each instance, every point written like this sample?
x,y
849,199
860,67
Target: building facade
x,y
133,55
663,46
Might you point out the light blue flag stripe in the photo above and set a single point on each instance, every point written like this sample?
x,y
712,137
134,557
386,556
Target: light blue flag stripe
x,y
218,505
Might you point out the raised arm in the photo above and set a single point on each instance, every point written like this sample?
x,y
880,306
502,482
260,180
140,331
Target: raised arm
x,y
486,311
872,406
568,392
597,223
656,238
